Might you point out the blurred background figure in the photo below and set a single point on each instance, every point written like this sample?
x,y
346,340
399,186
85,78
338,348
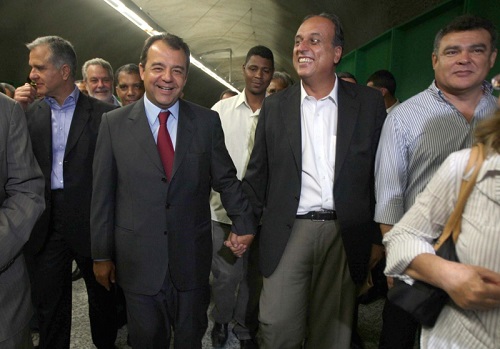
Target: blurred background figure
x,y
347,77
98,76
82,86
227,94
129,85
280,81
384,81
8,88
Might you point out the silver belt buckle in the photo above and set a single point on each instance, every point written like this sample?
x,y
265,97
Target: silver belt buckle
x,y
315,219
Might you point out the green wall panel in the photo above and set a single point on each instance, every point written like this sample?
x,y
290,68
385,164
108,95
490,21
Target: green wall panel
x,y
406,50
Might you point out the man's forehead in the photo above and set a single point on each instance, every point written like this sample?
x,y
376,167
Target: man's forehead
x,y
467,37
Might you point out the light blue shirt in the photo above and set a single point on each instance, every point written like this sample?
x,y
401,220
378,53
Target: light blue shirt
x,y
416,138
152,112
61,116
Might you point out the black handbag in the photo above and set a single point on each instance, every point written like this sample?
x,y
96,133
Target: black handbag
x,y
422,300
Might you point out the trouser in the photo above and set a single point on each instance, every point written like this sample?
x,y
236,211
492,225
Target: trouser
x,y
309,299
50,274
399,328
236,284
151,318
21,340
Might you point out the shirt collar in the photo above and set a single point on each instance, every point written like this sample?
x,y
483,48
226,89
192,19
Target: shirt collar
x,y
69,102
486,86
333,95
152,110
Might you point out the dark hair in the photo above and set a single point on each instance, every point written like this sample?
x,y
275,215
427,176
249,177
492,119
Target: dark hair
x,y
231,92
171,40
466,23
2,90
338,38
8,87
261,51
284,77
62,51
344,74
384,78
130,68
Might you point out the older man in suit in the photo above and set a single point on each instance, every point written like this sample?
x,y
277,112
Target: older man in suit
x,y
21,203
310,180
63,127
156,162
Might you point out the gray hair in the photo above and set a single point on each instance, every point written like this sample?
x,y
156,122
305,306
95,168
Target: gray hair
x,y
62,51
97,61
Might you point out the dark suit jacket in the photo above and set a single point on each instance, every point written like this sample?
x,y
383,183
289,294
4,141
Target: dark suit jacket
x,y
21,203
273,178
147,224
77,169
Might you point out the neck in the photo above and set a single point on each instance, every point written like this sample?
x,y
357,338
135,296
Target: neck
x,y
254,101
465,101
319,89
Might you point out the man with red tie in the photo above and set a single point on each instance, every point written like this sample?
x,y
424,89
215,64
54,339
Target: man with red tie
x,y
150,217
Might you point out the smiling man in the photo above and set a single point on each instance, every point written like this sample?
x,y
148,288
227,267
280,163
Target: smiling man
x,y
310,182
156,162
129,86
422,131
237,282
63,128
98,76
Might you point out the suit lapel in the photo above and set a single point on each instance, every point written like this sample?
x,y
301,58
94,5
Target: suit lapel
x,y
80,119
185,131
41,132
290,112
348,113
138,126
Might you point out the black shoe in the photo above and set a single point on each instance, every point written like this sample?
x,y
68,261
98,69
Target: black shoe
x,y
219,335
248,344
76,274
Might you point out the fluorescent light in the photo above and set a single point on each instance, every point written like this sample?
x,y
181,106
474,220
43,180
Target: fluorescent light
x,y
144,26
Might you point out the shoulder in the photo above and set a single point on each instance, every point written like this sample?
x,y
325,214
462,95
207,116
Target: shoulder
x,y
194,109
94,104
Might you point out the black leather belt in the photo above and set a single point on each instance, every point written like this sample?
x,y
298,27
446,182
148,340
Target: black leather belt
x,y
321,216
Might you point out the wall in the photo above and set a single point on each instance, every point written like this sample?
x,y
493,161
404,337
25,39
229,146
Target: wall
x,y
406,50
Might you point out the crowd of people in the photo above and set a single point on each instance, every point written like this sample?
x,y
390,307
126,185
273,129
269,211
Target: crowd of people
x,y
285,194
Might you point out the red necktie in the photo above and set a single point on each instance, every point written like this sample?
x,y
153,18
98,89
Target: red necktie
x,y
164,144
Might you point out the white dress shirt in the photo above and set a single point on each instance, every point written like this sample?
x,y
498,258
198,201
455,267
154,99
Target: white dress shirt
x,y
318,120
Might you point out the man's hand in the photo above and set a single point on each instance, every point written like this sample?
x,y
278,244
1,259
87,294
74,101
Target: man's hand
x,y
377,253
25,95
238,244
472,287
104,272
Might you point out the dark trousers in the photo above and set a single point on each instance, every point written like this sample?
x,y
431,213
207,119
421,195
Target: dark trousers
x,y
151,318
236,284
51,287
399,329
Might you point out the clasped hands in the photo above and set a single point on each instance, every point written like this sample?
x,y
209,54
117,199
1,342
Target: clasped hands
x,y
238,244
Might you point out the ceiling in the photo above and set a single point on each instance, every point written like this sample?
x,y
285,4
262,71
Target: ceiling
x,y
219,32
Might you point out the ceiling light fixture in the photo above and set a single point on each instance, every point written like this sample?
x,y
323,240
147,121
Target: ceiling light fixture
x,y
144,26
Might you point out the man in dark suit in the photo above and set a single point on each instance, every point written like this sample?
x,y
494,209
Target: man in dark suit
x,y
150,214
21,203
310,180
63,127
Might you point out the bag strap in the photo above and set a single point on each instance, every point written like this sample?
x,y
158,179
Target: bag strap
x,y
454,223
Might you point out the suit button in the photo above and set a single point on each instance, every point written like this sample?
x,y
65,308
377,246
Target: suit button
x,y
164,180
289,226
167,206
297,198
164,233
